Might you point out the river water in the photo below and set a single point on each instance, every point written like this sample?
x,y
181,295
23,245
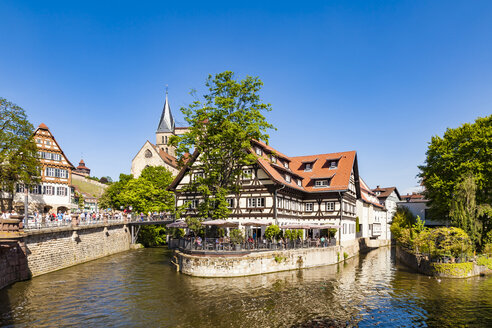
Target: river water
x,y
140,289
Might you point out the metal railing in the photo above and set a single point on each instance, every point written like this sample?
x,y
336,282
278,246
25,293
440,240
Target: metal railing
x,y
218,245
50,223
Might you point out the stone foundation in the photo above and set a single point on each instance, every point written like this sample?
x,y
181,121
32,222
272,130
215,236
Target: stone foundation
x,y
270,261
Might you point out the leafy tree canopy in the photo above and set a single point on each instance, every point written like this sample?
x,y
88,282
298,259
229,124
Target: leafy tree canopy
x,y
449,159
145,194
222,124
19,162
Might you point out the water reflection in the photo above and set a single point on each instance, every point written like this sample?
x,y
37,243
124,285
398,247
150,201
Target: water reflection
x,y
140,288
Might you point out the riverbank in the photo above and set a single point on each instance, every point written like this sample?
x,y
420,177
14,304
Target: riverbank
x,y
423,265
254,263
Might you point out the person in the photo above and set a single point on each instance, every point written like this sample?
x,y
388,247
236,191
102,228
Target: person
x,y
141,216
323,241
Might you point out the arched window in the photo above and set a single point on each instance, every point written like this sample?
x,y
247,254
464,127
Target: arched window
x,y
148,154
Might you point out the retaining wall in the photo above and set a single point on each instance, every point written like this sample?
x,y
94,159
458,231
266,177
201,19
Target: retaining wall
x,y
221,265
60,248
422,265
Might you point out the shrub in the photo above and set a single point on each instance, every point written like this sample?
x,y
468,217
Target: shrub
x,y
345,255
272,232
236,236
152,235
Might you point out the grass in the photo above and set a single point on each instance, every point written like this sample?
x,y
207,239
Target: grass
x,y
88,187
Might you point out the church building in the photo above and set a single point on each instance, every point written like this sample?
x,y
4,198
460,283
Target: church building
x,y
161,153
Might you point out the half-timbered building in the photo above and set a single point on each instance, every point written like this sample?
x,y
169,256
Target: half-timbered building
x,y
315,190
53,194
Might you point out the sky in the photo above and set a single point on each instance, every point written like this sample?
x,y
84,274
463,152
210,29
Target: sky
x,y
378,77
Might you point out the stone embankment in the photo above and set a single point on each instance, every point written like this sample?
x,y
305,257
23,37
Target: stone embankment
x,y
222,265
423,265
28,254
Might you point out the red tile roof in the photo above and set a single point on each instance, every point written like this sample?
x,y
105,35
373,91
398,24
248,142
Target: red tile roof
x,y
43,126
385,192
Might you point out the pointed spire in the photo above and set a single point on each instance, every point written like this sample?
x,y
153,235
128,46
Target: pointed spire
x,y
166,124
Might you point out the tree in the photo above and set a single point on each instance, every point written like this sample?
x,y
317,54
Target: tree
x,y
272,232
111,196
19,161
222,125
466,214
461,151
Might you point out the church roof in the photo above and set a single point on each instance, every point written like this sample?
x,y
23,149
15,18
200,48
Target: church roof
x,y
166,124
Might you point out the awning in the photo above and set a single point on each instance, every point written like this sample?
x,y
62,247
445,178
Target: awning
x,y
177,224
256,223
295,226
221,223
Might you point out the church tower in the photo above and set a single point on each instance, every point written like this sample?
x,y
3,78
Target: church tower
x,y
166,129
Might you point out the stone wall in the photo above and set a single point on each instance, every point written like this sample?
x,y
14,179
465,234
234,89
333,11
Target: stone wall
x,y
59,248
272,261
13,263
422,265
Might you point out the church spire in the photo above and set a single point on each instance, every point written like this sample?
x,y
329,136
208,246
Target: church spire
x,y
166,124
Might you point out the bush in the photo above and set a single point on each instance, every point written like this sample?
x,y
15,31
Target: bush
x,y
272,232
152,235
236,236
440,242
345,255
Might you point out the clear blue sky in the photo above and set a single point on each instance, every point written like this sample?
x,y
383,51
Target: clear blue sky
x,y
373,76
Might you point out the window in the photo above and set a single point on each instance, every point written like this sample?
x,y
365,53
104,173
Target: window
x,y
57,173
280,202
166,140
19,187
198,175
61,191
48,142
167,150
56,157
308,167
321,183
247,174
193,204
259,152
37,190
309,207
230,202
344,228
333,164
148,153
299,182
256,202
330,206
286,164
48,190
287,178
274,159
38,141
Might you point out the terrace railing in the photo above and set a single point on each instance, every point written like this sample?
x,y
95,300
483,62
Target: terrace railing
x,y
215,245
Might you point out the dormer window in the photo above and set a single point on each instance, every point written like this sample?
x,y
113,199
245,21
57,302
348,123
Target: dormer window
x,y
287,178
333,164
274,159
322,183
308,167
299,182
259,152
286,164
198,175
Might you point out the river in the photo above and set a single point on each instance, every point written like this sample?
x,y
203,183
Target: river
x,y
140,289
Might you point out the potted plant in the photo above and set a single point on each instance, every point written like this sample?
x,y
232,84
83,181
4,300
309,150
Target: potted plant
x,y
237,238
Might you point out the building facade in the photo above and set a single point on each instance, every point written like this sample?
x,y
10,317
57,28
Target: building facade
x,y
373,217
53,194
314,190
161,153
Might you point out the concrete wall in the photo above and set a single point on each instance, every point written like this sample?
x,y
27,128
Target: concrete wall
x,y
59,248
271,261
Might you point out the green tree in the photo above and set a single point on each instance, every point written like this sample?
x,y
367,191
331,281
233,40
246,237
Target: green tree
x,y
19,162
148,193
467,214
152,235
222,124
272,232
111,196
461,151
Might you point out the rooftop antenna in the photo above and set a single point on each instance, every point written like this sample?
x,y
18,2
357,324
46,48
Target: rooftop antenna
x,y
166,88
